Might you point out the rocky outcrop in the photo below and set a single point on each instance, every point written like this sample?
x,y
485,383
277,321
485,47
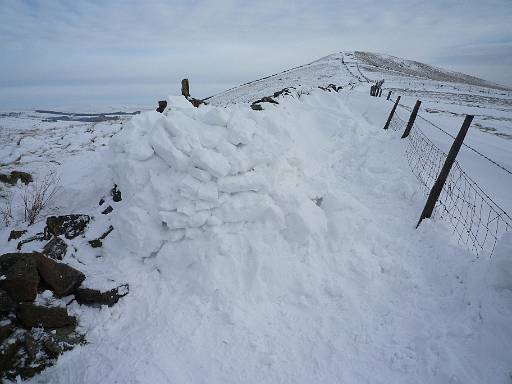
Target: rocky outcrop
x,y
70,226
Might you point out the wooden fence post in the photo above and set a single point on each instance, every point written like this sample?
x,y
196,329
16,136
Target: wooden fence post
x,y
389,95
185,90
380,92
411,119
392,113
435,192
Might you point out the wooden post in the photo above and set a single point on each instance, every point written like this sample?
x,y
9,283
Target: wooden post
x,y
435,192
411,119
380,92
185,90
392,113
389,95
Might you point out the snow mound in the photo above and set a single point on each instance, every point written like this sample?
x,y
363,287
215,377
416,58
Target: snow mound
x,y
204,188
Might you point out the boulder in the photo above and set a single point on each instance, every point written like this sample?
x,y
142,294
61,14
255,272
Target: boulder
x,y
93,297
14,235
56,248
32,315
107,210
6,303
19,277
70,226
61,278
8,354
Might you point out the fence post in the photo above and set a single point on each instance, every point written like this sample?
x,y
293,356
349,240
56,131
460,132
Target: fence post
x,y
380,92
185,90
392,113
435,192
389,95
411,119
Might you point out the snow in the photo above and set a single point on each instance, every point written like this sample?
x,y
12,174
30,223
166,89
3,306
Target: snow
x,y
277,245
287,254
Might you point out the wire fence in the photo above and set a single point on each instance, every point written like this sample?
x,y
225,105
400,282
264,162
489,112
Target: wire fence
x,y
476,220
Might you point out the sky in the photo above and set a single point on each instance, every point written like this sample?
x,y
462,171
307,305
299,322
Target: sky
x,y
132,53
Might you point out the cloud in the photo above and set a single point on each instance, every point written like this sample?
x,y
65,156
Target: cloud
x,y
219,44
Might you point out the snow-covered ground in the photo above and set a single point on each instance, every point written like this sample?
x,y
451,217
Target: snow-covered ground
x,y
273,246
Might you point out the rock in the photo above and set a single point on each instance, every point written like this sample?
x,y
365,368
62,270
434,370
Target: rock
x,y
6,303
14,235
70,226
19,276
30,347
52,348
162,104
116,194
196,102
56,248
5,331
15,176
32,315
8,356
102,200
107,210
61,278
96,243
185,90
256,107
37,236
93,297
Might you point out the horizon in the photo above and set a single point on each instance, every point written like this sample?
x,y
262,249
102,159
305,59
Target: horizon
x,y
91,54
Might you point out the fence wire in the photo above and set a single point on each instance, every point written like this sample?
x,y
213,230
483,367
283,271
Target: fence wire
x,y
476,220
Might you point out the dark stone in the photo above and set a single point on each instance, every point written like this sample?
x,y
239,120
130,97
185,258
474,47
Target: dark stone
x,y
21,277
15,176
162,104
95,297
107,210
266,99
32,315
61,278
5,331
102,200
6,303
284,91
52,348
15,235
70,226
36,237
96,243
196,102
56,248
256,107
116,194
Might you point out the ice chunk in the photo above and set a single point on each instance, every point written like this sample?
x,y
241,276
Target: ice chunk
x,y
193,189
250,181
210,161
163,146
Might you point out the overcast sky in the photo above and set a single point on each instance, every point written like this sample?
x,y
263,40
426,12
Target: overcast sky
x,y
60,52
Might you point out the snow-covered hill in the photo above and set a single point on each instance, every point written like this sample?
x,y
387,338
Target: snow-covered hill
x,y
275,246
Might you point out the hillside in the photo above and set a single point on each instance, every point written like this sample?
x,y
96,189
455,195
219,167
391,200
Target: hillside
x,y
274,245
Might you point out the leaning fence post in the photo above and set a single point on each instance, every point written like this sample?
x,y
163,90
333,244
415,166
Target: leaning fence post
x,y
392,113
435,192
185,90
389,95
411,119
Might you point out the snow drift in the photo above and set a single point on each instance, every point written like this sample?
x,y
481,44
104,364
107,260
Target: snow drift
x,y
278,246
